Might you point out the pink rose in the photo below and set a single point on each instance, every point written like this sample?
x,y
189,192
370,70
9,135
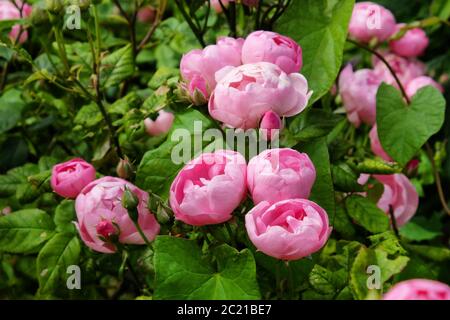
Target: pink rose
x,y
406,69
418,289
209,188
198,67
369,21
270,125
412,44
280,174
399,195
414,85
266,46
101,215
8,11
288,230
358,91
245,93
161,125
375,145
69,178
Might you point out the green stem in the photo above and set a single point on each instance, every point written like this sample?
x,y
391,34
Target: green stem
x,y
139,229
290,280
191,24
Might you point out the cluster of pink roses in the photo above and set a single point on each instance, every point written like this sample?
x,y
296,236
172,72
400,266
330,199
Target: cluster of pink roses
x,y
283,224
102,219
242,80
371,22
9,11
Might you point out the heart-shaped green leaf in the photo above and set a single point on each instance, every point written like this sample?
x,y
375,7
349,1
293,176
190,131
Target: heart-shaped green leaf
x,y
403,129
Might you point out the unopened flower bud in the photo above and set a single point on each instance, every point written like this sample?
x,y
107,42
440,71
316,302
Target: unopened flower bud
x,y
124,169
130,202
54,6
270,125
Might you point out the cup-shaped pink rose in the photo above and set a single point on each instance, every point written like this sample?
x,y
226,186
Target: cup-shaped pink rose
x,y
245,93
100,215
200,66
161,125
412,44
8,11
375,145
209,188
418,289
371,21
267,46
405,69
418,83
270,125
288,230
399,195
280,174
69,178
358,91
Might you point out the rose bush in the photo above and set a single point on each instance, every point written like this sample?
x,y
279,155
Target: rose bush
x,y
232,149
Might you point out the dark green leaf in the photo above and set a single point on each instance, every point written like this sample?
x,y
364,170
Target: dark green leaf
x,y
367,214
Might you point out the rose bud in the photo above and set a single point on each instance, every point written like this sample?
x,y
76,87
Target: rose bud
x,y
358,91
198,67
124,168
288,230
209,188
161,125
375,145
270,125
266,46
399,195
146,14
412,44
245,93
418,83
69,178
280,174
371,21
101,201
418,289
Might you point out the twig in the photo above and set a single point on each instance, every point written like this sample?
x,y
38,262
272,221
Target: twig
x,y
437,179
380,56
151,31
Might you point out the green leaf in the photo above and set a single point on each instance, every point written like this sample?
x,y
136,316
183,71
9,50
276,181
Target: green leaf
x,y
11,106
53,260
322,192
402,129
358,273
320,27
182,272
88,116
25,231
420,229
157,169
344,179
64,216
343,224
323,280
376,166
117,67
439,254
309,125
367,214
161,76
